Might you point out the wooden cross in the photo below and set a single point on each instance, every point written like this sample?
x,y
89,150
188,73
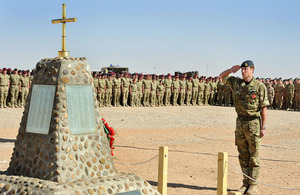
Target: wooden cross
x,y
64,20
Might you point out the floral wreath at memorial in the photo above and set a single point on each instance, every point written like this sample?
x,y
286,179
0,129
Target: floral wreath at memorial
x,y
110,132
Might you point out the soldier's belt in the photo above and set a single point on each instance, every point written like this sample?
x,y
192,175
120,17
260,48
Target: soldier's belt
x,y
3,85
248,118
24,86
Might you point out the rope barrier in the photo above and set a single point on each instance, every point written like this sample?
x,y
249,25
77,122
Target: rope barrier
x,y
260,182
138,162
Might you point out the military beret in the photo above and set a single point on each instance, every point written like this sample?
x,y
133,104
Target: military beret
x,y
4,69
15,69
9,69
24,72
247,63
168,74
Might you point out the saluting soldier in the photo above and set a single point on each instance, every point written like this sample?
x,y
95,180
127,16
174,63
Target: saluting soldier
x,y
4,87
251,103
15,88
25,85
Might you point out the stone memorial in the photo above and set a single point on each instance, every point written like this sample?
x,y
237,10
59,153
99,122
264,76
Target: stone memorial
x,y
61,146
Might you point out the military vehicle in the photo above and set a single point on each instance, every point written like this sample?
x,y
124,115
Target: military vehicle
x,y
190,73
115,69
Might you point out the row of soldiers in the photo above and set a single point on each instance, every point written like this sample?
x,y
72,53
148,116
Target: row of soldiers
x,y
14,87
283,94
153,90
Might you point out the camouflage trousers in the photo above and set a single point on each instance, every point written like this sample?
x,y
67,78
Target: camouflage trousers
x,y
188,97
153,98
117,95
14,93
194,95
181,97
247,137
125,96
3,96
175,97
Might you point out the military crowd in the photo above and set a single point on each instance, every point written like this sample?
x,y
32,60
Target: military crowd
x,y
163,90
14,87
126,89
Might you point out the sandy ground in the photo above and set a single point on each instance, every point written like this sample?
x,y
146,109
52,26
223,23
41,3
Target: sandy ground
x,y
194,136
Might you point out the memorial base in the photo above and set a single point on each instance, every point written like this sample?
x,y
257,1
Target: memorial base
x,y
118,184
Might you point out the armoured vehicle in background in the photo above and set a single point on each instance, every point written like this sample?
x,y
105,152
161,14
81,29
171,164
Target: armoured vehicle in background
x,y
190,73
114,68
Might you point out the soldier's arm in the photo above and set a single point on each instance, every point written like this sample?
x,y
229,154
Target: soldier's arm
x,y
263,113
233,69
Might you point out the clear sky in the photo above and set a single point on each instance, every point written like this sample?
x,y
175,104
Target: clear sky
x,y
157,36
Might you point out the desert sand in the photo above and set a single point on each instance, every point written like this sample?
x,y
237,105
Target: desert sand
x,y
194,136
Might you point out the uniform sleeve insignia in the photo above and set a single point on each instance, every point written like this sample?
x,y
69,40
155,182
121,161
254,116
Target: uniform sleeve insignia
x,y
253,96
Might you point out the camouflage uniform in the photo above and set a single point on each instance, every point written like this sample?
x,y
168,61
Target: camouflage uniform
x,y
249,99
146,90
271,95
168,92
279,91
133,94
189,88
4,82
14,89
160,94
289,94
24,89
175,90
182,85
195,82
139,97
102,87
207,90
297,96
125,90
108,95
117,91
220,92
201,88
212,98
153,93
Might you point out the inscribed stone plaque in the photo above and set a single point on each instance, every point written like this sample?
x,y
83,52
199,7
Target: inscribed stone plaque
x,y
136,192
41,104
81,109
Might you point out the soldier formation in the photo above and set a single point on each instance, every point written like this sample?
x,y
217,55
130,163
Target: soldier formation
x,y
14,87
126,89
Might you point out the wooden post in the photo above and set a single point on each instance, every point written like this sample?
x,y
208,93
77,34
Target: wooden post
x,y
163,170
222,173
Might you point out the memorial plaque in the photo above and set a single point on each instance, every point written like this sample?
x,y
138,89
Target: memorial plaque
x,y
136,192
40,110
81,109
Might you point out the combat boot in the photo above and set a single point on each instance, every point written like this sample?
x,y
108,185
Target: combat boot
x,y
244,188
252,190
